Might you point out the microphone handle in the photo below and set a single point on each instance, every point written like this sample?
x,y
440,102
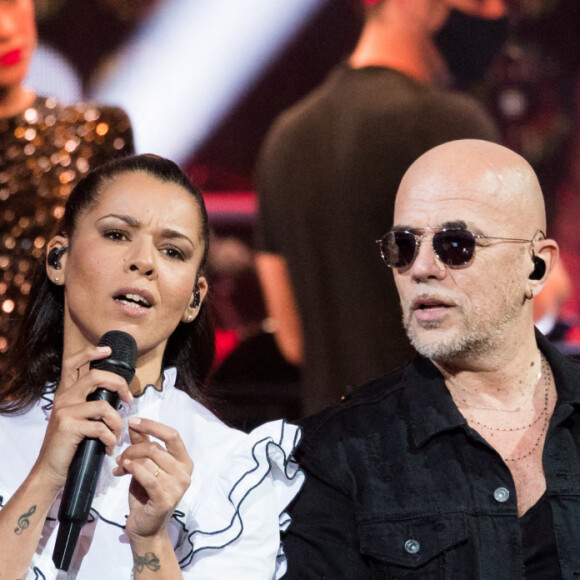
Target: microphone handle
x,y
79,489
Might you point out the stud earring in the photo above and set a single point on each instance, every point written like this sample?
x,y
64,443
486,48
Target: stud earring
x,y
189,318
56,280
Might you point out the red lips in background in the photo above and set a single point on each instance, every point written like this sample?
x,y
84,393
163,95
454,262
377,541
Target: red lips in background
x,y
11,58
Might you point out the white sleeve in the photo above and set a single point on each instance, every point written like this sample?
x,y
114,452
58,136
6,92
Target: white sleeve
x,y
232,527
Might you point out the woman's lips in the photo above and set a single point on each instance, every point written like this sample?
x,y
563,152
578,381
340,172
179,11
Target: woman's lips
x,y
11,58
134,301
131,308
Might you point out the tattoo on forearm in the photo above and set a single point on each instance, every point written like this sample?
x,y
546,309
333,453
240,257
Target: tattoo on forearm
x,y
149,560
23,521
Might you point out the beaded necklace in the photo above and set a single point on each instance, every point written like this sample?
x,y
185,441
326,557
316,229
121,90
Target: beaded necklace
x,y
529,394
545,371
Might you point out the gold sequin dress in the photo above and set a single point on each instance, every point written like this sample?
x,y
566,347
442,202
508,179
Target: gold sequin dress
x,y
44,152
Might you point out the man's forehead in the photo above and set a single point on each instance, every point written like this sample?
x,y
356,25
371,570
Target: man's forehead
x,y
444,193
477,181
456,179
435,205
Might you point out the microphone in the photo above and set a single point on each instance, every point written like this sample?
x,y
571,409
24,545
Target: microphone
x,y
85,467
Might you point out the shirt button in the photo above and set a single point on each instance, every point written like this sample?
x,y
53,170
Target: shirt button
x,y
412,546
501,494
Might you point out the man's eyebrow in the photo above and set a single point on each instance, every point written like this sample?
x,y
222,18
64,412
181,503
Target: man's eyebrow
x,y
402,228
451,225
455,225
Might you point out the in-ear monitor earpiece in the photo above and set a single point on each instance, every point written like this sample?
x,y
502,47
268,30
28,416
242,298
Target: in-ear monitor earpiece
x,y
53,258
539,268
196,297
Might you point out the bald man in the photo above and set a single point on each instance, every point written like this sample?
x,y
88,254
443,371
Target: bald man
x,y
466,464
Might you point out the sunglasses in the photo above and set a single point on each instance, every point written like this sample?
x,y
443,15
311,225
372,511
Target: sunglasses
x,y
453,247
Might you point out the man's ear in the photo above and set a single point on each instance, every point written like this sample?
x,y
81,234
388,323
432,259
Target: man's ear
x,y
56,258
196,300
545,255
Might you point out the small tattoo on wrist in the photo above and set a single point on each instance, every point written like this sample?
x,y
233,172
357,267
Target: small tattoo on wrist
x,y
149,561
23,521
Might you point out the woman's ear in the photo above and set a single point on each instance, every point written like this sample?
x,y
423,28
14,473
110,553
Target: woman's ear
x,y
197,297
56,259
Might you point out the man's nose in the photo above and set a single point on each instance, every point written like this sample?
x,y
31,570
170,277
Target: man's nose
x,y
427,264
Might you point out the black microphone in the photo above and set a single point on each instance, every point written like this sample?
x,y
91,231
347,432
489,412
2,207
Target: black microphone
x,y
85,467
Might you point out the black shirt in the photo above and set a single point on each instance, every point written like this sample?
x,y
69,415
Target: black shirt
x,y
539,541
399,486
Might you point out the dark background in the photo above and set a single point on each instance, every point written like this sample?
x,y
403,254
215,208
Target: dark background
x,y
530,91
542,62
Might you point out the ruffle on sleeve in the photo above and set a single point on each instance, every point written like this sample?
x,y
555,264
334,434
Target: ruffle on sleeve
x,y
258,471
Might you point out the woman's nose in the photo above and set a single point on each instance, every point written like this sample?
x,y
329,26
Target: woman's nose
x,y
141,260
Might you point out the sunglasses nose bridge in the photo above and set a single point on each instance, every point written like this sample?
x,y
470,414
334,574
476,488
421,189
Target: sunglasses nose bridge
x,y
429,241
426,262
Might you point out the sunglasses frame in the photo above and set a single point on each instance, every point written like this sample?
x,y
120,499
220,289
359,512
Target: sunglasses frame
x,y
433,232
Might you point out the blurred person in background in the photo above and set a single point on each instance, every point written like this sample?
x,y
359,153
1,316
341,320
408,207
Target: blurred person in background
x,y
568,208
329,170
45,148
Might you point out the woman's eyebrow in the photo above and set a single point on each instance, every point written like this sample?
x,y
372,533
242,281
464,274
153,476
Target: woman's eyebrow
x,y
130,220
134,222
171,233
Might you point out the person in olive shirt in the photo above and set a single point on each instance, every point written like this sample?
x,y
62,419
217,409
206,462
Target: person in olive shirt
x,y
328,173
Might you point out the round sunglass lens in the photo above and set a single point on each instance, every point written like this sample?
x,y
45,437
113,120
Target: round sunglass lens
x,y
454,247
400,249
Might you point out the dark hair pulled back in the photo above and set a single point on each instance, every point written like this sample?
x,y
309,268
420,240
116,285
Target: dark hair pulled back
x,y
36,356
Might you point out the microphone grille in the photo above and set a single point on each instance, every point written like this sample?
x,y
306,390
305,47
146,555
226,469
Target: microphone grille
x,y
123,358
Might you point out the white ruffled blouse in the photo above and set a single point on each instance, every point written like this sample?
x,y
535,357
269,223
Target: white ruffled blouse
x,y
228,523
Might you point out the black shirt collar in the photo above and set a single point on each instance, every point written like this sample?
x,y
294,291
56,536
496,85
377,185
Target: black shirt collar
x,y
431,407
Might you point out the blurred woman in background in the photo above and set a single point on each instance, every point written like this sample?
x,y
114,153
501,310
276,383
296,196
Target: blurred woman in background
x,y
45,148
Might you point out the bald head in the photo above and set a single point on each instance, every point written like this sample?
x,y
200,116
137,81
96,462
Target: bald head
x,y
486,179
469,309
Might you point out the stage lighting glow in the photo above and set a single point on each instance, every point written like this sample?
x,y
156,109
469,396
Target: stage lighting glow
x,y
51,74
193,61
